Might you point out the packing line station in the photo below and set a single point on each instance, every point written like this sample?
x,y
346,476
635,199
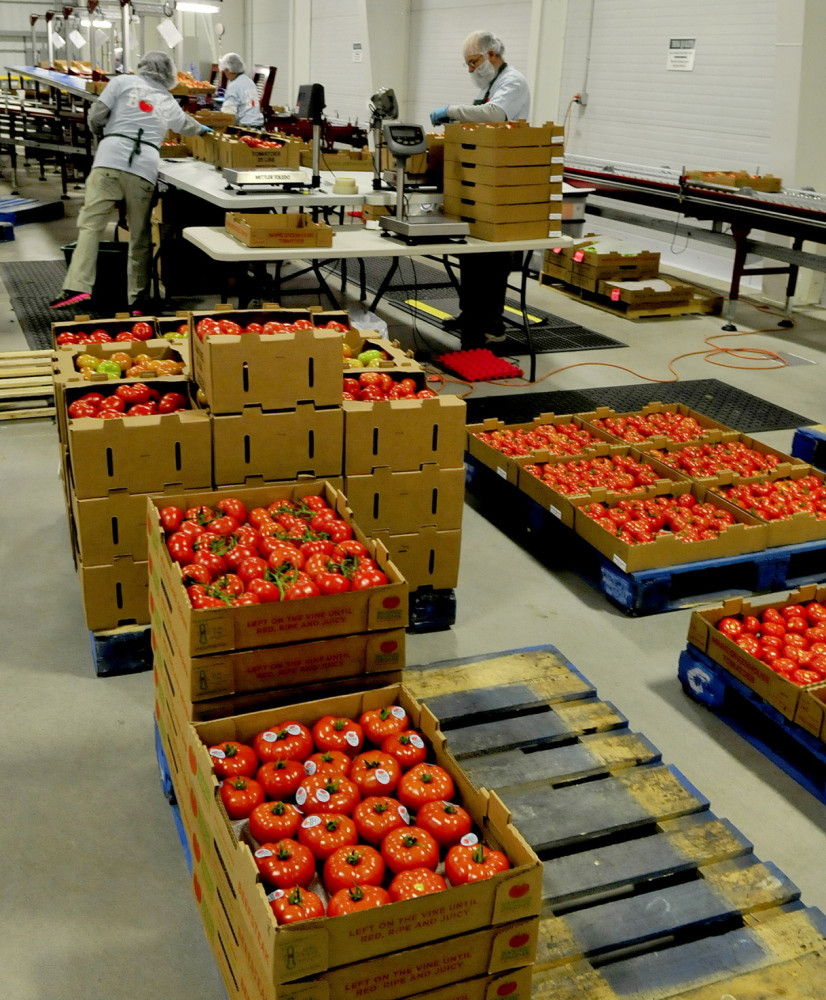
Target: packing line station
x,y
797,214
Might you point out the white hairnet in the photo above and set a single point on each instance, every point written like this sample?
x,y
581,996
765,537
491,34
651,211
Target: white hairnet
x,y
158,67
232,63
483,41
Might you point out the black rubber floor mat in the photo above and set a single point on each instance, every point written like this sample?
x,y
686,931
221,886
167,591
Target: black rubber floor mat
x,y
724,403
31,285
423,289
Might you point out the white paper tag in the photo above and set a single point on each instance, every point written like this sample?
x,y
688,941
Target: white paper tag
x,y
294,730
620,562
501,472
555,511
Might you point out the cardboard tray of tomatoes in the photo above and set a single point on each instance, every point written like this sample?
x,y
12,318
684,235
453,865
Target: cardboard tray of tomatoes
x,y
494,443
668,546
654,424
328,947
775,647
239,361
721,457
612,472
215,629
85,330
790,502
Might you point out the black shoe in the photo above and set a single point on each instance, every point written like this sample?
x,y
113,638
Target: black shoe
x,y
69,298
453,325
499,337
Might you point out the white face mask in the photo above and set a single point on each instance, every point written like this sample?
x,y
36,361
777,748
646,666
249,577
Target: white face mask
x,y
484,74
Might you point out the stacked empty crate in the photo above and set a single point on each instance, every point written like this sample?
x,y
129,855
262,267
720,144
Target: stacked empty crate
x,y
110,467
404,474
504,178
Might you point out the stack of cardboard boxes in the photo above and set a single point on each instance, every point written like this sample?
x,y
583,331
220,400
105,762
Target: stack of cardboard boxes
x,y
504,178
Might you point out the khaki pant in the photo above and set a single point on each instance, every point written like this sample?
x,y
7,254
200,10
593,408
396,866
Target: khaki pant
x,y
104,189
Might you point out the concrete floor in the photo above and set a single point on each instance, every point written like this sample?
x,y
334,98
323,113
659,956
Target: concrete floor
x,y
96,899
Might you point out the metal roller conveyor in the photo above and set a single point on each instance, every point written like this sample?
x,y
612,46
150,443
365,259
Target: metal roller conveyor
x,y
799,214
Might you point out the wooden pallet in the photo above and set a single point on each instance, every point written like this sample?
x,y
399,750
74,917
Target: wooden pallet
x,y
648,895
703,301
26,377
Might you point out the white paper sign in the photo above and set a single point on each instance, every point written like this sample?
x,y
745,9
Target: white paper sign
x,y
681,55
57,41
169,33
77,39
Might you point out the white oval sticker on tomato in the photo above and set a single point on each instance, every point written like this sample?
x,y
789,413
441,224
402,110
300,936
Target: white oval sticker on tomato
x,y
417,741
382,776
352,737
217,752
397,712
310,822
321,795
469,840
269,736
263,852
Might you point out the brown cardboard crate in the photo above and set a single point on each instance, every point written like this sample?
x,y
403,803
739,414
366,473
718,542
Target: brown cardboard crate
x,y
140,454
503,134
644,293
401,502
403,434
109,527
238,155
467,208
500,176
120,323
420,164
277,444
746,535
672,455
297,665
114,595
497,232
339,159
594,418
492,194
428,557
329,950
216,629
276,372
266,229
770,686
502,156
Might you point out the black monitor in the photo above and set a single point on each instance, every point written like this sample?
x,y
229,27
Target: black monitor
x,y
310,101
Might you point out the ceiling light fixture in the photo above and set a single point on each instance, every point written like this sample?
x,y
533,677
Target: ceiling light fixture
x,y
198,8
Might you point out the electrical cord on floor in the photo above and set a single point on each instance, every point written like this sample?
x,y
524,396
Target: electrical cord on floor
x,y
744,353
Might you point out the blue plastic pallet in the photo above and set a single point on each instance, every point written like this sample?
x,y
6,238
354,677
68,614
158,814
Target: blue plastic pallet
x,y
794,750
431,610
126,650
649,591
809,443
19,211
169,793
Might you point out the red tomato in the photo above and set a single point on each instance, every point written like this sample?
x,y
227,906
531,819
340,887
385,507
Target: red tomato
x,y
751,624
271,821
408,748
424,783
472,863
294,904
414,883
750,643
230,758
240,796
327,793
328,762
234,507
325,834
409,847
337,733
445,821
280,778
732,627
815,612
285,863
802,676
290,740
379,723
375,773
171,402
792,611
361,865
377,815
783,665
772,615
142,331
357,897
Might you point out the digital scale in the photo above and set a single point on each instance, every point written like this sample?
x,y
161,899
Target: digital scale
x,y
240,180
404,141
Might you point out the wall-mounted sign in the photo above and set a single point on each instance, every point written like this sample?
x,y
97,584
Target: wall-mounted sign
x,y
681,54
357,52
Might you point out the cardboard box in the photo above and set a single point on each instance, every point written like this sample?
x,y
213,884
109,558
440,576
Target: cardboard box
x,y
357,341
334,951
266,229
114,595
501,156
278,444
112,325
406,501
670,456
420,164
140,454
216,120
503,134
428,557
498,232
770,686
800,527
602,413
239,156
296,665
215,630
499,176
473,211
811,710
648,293
403,434
275,372
502,194
339,159
109,527
748,534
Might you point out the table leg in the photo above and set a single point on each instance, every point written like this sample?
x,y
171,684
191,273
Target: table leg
x,y
385,283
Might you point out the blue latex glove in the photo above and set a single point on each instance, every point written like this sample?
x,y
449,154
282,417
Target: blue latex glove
x,y
439,116
205,129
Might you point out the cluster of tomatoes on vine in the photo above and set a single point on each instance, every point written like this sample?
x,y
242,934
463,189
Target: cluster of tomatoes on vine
x,y
288,550
353,808
638,521
139,331
618,473
790,639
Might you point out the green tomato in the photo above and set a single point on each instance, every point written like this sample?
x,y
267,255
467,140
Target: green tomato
x,y
372,355
109,368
